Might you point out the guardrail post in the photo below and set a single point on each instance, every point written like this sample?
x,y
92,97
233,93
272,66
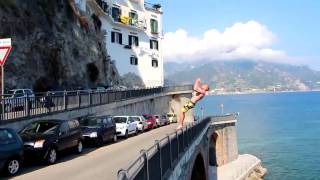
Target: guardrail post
x,y
90,97
100,98
177,136
183,146
27,106
65,103
157,142
122,174
169,140
79,98
146,161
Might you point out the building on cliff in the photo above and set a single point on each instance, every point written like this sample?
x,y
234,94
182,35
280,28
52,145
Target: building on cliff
x,y
133,35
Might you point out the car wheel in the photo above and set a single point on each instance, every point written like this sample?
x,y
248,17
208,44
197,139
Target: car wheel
x,y
52,156
79,147
126,135
115,138
13,167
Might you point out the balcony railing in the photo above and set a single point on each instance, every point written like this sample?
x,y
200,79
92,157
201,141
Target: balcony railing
x,y
139,23
153,7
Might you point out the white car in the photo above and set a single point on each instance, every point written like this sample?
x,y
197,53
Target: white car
x,y
17,98
125,125
141,123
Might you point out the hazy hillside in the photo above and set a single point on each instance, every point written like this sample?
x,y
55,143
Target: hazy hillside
x,y
244,74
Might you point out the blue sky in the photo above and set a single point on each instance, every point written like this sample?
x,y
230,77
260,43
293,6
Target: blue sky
x,y
295,23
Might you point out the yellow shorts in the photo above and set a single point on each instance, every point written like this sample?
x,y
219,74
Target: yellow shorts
x,y
189,105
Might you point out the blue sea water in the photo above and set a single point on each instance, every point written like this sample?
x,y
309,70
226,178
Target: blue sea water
x,y
282,129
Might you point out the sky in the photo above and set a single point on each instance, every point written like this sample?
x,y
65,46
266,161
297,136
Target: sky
x,y
283,31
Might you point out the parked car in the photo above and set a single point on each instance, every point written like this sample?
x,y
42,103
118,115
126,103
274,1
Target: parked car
x,y
172,117
150,120
163,120
98,89
98,129
126,125
141,123
157,118
11,151
17,98
44,139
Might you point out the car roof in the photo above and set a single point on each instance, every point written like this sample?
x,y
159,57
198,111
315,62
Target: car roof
x,y
19,89
53,120
4,128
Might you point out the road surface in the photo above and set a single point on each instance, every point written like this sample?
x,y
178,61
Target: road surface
x,y
95,164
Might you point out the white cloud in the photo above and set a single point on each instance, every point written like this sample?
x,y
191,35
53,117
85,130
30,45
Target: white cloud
x,y
250,40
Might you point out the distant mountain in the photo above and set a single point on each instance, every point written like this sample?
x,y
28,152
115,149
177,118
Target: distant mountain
x,y
241,75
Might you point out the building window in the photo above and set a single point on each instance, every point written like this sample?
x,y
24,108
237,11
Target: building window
x,y
154,26
154,44
133,18
133,60
154,63
116,37
133,40
116,13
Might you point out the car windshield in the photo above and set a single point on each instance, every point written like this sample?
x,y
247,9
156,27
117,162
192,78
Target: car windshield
x,y
6,137
10,92
147,116
41,128
120,119
91,122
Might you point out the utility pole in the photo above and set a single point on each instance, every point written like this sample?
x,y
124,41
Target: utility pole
x,y
222,108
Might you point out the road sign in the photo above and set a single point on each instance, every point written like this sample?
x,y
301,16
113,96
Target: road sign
x,y
5,47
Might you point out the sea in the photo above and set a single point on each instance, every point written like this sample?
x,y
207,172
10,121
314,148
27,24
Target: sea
x,y
281,129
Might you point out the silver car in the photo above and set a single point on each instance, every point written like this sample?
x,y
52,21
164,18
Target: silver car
x,y
141,123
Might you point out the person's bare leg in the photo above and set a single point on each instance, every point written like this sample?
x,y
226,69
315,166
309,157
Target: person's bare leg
x,y
181,120
195,99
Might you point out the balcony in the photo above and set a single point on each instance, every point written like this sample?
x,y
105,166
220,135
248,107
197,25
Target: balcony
x,y
119,19
153,7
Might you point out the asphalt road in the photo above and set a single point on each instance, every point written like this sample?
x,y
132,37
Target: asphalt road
x,y
96,163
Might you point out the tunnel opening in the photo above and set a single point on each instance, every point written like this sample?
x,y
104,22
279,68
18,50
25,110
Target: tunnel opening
x,y
213,150
198,170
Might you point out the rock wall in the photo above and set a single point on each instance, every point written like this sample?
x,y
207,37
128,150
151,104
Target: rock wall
x,y
53,49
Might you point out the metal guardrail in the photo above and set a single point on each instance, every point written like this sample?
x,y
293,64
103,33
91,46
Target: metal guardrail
x,y
156,162
27,106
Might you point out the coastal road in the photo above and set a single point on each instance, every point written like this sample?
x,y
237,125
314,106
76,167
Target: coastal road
x,y
95,164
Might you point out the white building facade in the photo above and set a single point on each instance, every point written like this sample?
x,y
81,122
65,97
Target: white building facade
x,y
133,36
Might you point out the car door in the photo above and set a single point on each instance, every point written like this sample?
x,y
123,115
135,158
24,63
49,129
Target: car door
x,y
131,127
73,133
109,128
19,99
105,128
64,138
9,145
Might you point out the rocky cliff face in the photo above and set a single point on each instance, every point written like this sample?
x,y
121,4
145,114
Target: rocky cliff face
x,y
54,48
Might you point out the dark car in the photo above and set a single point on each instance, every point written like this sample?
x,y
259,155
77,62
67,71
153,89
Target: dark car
x,y
98,129
151,121
11,151
45,138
